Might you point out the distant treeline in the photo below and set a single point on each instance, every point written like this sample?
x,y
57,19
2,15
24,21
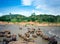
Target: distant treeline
x,y
33,18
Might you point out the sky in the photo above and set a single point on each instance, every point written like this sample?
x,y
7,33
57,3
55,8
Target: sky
x,y
26,7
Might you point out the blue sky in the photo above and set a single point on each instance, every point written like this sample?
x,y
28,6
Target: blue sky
x,y
26,7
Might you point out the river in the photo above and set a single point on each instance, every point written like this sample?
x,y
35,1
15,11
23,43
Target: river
x,y
48,30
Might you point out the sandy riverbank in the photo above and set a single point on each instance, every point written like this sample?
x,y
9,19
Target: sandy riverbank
x,y
31,23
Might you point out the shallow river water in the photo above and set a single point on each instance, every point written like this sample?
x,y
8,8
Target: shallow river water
x,y
48,30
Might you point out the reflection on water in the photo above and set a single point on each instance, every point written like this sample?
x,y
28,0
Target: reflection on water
x,y
47,30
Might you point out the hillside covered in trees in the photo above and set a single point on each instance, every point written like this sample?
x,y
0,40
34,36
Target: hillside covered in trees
x,y
33,18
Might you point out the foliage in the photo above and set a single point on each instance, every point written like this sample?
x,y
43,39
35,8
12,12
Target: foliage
x,y
33,17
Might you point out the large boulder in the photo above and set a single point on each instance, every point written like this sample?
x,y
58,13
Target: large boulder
x,y
45,37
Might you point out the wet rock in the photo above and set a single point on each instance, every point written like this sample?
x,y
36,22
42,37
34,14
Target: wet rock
x,y
28,39
14,37
8,35
34,36
6,40
45,37
20,35
39,32
20,28
27,34
1,34
7,31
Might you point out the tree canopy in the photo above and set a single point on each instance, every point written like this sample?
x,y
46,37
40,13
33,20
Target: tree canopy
x,y
33,18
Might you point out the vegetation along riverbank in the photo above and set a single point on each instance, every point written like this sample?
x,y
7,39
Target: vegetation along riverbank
x,y
40,20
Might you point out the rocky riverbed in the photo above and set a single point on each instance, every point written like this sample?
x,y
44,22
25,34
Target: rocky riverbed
x,y
21,29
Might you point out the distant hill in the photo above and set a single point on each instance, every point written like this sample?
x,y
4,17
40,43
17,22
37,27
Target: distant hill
x,y
33,17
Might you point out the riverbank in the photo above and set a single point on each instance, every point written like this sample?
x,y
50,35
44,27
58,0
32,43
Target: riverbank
x,y
31,23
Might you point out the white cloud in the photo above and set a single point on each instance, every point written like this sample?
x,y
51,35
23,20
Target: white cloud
x,y
1,14
36,12
41,7
45,9
27,2
26,13
22,12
